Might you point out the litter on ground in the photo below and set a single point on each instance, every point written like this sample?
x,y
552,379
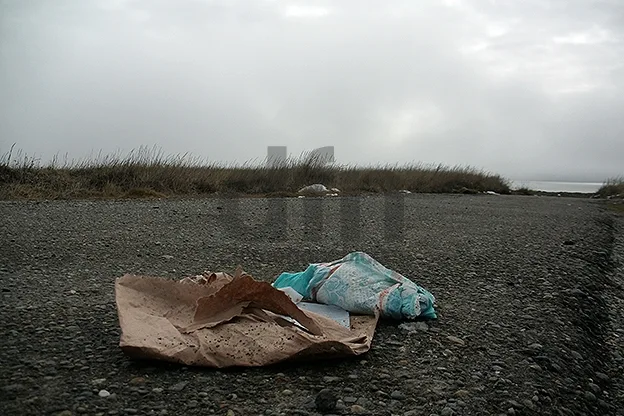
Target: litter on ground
x,y
220,320
316,188
319,189
360,284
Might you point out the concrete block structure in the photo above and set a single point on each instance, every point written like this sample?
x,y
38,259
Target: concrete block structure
x,y
323,155
276,155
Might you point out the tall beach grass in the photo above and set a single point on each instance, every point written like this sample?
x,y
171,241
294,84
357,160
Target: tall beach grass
x,y
148,172
612,188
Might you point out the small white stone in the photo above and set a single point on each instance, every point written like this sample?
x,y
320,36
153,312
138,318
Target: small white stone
x,y
103,393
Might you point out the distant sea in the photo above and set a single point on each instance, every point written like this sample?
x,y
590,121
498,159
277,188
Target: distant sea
x,y
551,186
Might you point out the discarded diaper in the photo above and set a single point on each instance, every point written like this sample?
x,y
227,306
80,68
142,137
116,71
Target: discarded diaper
x,y
359,284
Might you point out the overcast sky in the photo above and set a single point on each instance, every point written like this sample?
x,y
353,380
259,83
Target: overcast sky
x,y
530,89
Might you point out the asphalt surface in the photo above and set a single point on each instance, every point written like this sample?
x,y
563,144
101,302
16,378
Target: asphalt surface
x,y
529,293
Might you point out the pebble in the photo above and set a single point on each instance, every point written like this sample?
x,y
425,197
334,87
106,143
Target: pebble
x,y
397,395
395,404
456,340
350,399
603,404
325,401
330,379
287,392
461,393
447,411
364,402
358,410
179,386
340,406
589,396
103,393
528,403
192,403
602,376
381,393
594,387
157,390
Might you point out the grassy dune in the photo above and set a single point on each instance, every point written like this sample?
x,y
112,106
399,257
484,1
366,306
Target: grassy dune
x,y
150,173
612,188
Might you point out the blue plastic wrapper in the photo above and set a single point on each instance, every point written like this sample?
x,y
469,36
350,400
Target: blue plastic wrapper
x,y
360,284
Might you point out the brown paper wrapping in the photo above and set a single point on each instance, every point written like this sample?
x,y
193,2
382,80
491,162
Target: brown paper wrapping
x,y
223,321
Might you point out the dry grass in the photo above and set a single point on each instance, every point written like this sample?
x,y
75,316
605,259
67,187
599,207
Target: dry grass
x,y
148,173
612,188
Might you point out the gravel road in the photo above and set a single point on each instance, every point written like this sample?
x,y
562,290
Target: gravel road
x,y
529,293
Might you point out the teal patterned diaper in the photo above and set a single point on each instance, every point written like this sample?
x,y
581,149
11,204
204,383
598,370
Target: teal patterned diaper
x,y
360,284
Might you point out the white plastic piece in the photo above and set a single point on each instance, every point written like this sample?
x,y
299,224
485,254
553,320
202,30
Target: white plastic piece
x,y
295,296
316,188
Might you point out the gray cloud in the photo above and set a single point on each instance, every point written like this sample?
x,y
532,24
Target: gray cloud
x,y
528,89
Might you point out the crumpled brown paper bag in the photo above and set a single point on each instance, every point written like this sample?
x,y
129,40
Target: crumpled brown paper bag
x,y
222,321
